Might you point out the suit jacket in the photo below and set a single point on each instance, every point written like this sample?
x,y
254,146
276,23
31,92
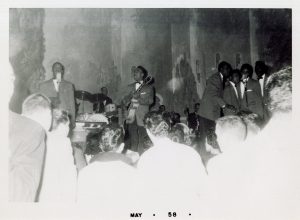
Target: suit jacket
x,y
63,99
212,99
231,98
27,151
252,100
265,97
99,106
145,100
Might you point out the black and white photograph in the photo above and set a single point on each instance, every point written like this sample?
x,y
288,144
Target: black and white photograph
x,y
151,113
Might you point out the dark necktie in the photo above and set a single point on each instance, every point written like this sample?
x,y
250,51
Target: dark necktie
x,y
245,93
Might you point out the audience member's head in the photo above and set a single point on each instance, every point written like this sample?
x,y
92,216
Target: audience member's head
x,y
224,68
184,129
58,71
104,91
175,118
260,68
230,131
279,85
186,111
197,107
252,122
60,122
247,71
156,126
235,76
111,139
162,108
38,108
176,134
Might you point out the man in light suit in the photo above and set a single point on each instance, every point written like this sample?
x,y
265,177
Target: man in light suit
x,y
232,93
212,101
27,133
60,92
251,99
135,132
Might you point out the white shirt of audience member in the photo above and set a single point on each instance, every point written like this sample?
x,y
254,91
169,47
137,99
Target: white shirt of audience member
x,y
60,175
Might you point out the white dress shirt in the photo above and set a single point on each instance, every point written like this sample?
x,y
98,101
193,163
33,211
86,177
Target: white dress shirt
x,y
56,84
261,82
138,84
233,85
221,76
243,87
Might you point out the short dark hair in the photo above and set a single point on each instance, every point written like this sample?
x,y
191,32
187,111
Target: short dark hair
x,y
222,64
249,67
59,117
144,71
155,123
34,103
111,136
279,85
58,63
262,65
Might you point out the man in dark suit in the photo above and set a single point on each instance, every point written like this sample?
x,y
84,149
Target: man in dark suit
x,y
261,70
101,100
232,93
212,101
60,92
251,98
135,131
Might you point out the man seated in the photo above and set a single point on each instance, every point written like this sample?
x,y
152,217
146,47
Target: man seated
x,y
178,167
109,178
101,100
27,147
60,174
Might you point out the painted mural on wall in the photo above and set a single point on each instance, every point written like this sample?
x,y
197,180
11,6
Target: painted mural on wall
x,y
183,85
26,49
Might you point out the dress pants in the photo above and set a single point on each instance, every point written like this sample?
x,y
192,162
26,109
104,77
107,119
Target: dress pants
x,y
207,129
135,137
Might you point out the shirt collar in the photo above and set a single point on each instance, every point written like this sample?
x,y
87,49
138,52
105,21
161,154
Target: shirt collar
x,y
232,83
221,76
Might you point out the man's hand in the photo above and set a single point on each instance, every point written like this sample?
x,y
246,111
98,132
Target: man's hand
x,y
230,108
136,96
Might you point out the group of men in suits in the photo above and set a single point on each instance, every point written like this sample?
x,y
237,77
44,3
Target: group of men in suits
x,y
231,92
